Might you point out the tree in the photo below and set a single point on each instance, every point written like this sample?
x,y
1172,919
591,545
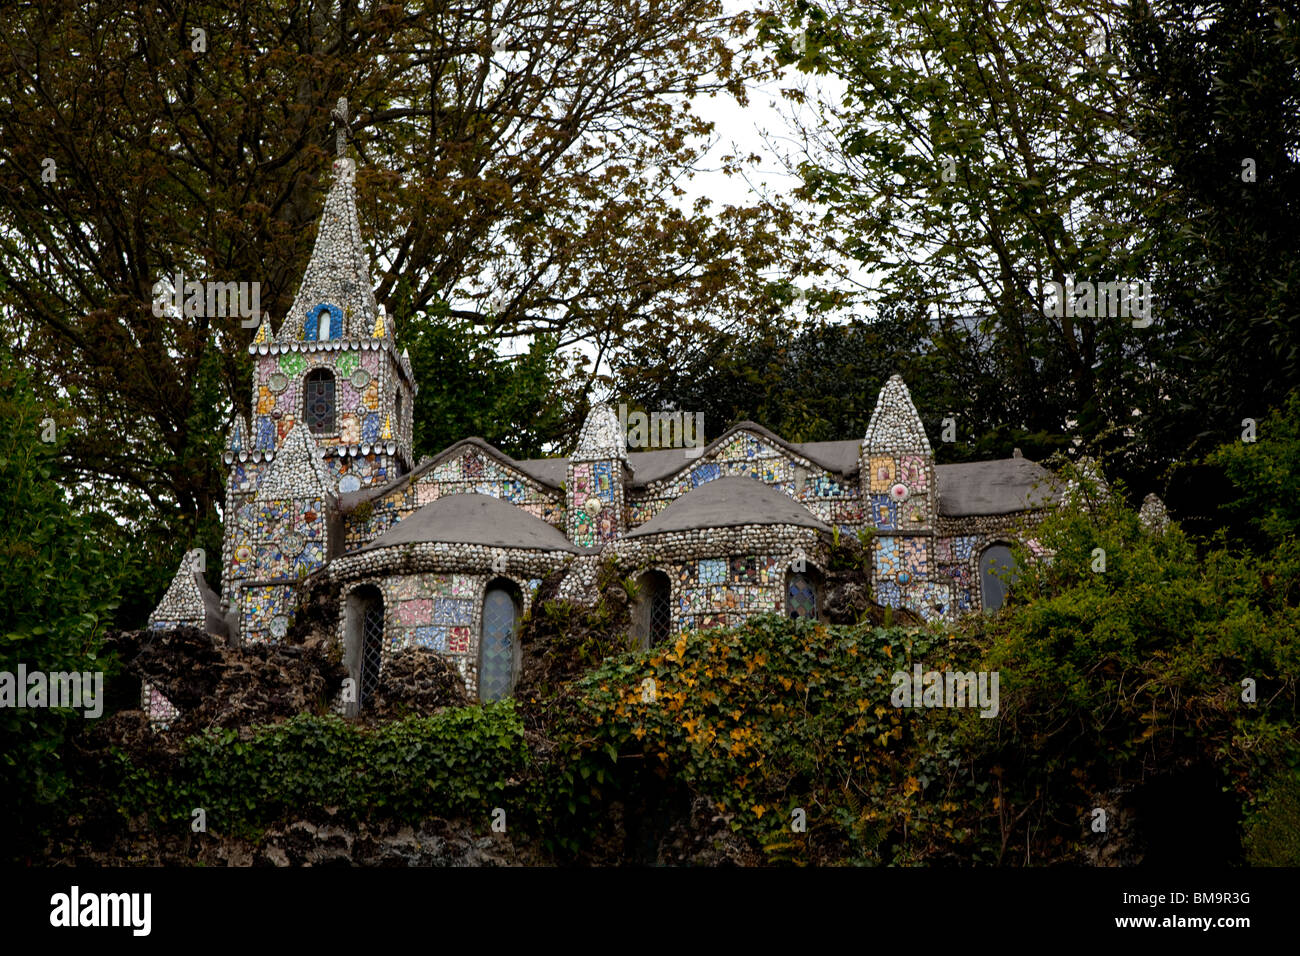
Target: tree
x,y
57,588
1218,107
819,382
520,163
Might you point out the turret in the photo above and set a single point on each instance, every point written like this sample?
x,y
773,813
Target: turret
x,y
596,479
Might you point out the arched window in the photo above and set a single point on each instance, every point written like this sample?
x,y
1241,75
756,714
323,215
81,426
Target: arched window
x,y
318,400
652,615
364,642
499,643
997,573
322,324
801,596
397,413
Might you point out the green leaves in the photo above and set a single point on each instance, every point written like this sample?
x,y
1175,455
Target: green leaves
x,y
455,763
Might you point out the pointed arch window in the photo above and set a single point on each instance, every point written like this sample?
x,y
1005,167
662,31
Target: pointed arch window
x,y
318,400
499,655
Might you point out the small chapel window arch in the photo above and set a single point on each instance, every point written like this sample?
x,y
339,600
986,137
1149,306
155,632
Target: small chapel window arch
x,y
363,643
323,323
397,413
802,595
998,572
318,400
652,613
499,651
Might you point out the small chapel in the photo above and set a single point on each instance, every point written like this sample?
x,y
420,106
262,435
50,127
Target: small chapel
x,y
447,554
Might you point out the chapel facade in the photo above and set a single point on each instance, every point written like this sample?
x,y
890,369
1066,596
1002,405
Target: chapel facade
x,y
449,554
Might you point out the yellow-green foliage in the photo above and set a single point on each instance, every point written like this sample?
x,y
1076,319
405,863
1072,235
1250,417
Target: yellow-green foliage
x,y
773,717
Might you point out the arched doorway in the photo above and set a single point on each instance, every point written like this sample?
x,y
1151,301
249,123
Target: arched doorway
x,y
652,614
998,572
364,643
318,400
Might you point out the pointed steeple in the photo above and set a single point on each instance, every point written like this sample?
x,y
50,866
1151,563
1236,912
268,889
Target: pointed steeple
x,y
335,297
1088,485
1153,516
895,426
263,336
601,436
183,602
298,470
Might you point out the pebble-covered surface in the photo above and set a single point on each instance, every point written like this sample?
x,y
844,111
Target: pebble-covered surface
x,y
309,494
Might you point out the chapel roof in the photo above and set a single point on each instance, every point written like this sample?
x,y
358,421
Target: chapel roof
x,y
472,518
729,502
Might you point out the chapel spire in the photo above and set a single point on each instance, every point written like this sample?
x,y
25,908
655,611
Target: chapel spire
x,y
335,299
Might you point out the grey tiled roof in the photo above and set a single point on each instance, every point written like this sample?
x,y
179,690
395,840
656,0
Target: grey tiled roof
x,y
474,519
728,502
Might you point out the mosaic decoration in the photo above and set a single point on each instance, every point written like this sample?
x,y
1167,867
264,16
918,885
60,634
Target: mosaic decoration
x,y
436,611
332,315
888,561
283,515
601,437
705,472
160,711
183,601
716,592
884,513
261,605
914,474
882,471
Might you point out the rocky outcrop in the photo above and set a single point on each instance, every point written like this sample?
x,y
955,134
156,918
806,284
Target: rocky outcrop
x,y
215,685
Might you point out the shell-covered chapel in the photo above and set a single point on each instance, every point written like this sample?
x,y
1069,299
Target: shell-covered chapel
x,y
448,554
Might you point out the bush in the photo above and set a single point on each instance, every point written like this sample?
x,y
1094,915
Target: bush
x,y
458,762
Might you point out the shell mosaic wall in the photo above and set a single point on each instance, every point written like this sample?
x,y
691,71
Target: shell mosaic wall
x,y
597,502
438,611
833,500
361,424
322,468
720,592
268,610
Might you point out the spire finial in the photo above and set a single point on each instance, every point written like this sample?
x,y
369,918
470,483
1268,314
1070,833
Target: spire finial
x,y
340,116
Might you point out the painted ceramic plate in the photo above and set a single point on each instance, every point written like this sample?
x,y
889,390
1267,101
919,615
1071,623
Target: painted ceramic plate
x,y
279,382
360,378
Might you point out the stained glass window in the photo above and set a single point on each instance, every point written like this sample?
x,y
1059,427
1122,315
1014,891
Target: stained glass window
x,y
318,398
497,665
801,597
